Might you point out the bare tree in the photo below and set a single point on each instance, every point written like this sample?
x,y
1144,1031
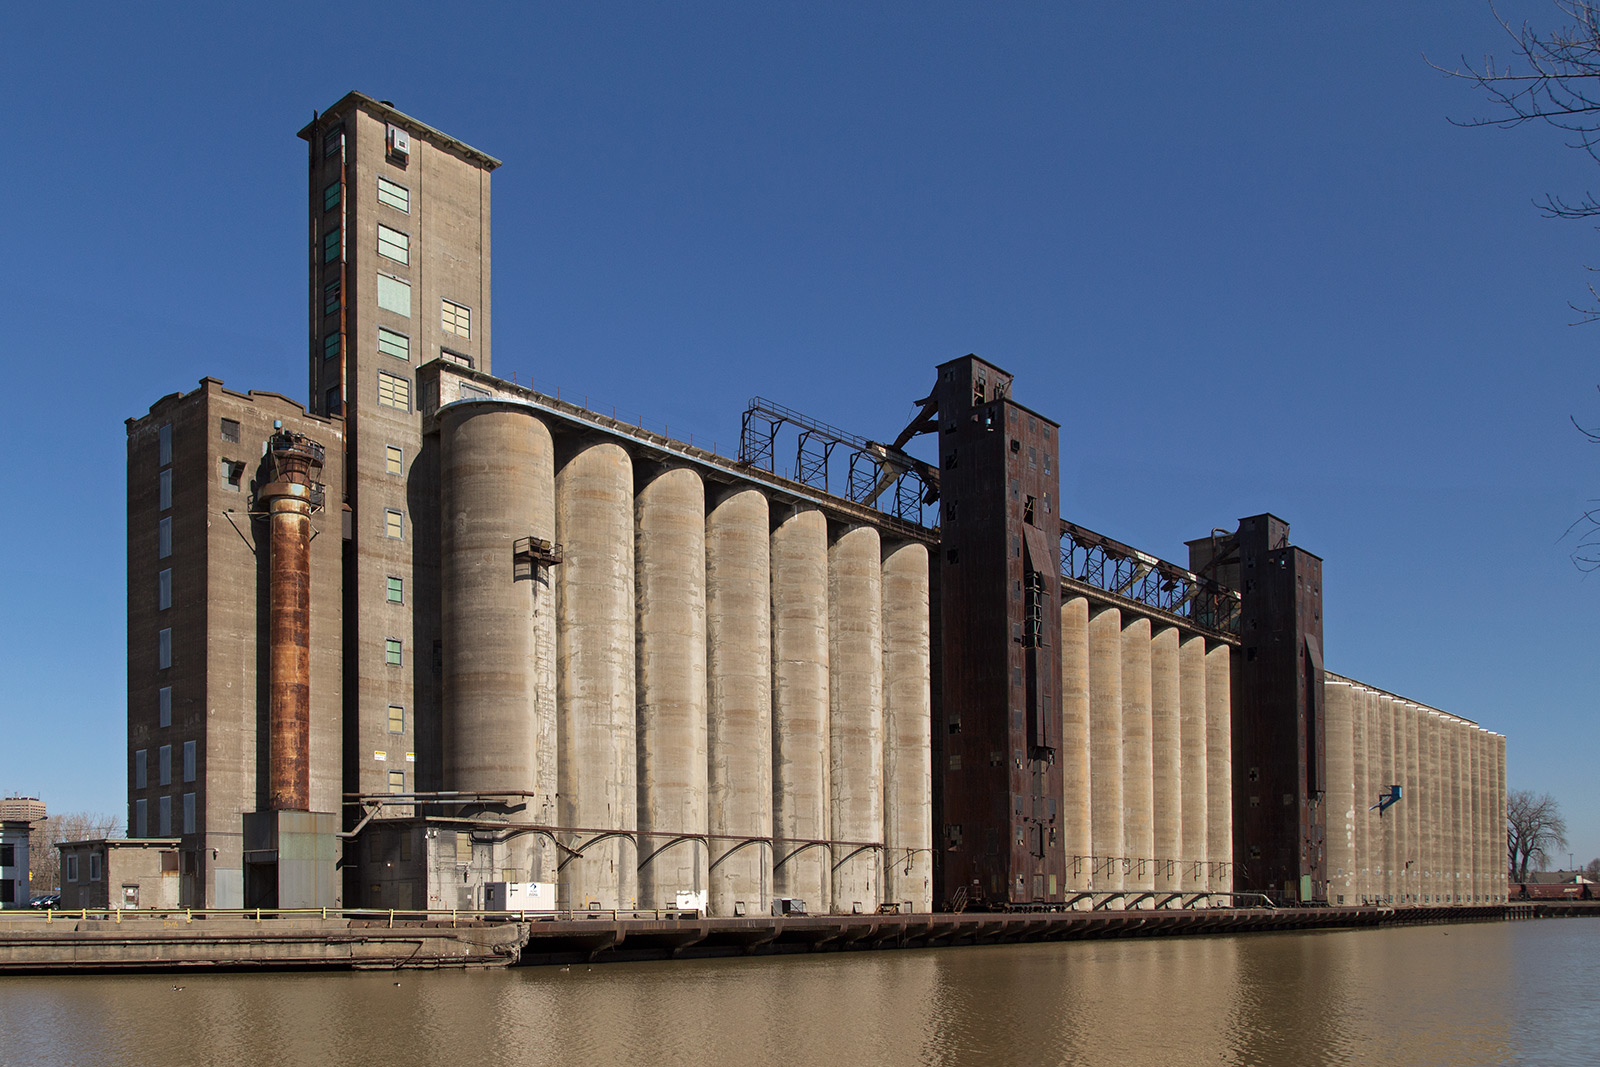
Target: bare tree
x,y
1553,77
1534,826
43,859
1592,870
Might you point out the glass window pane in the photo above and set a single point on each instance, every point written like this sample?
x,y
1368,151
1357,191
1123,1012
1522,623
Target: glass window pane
x,y
330,346
330,245
394,195
394,459
392,652
330,297
330,197
455,318
397,719
164,538
164,714
394,295
394,344
394,244
393,524
165,481
396,590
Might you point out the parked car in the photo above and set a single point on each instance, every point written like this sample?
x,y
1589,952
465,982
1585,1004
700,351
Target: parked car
x,y
50,900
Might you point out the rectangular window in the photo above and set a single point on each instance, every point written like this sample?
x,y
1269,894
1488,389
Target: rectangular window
x,y
330,245
164,538
392,651
141,818
330,346
394,295
332,142
72,866
164,765
397,719
332,402
164,649
397,590
140,769
165,488
394,244
394,195
188,813
455,318
164,817
164,707
94,866
166,444
455,357
164,589
394,344
330,297
394,524
394,391
330,197
188,761
397,781
231,474
394,459
230,430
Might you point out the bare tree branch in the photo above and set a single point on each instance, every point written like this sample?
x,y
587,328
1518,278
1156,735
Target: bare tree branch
x,y
1534,827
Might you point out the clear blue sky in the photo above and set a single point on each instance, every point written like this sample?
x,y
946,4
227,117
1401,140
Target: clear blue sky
x,y
1236,249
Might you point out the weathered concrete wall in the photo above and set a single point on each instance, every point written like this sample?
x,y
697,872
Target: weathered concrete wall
x,y
1077,824
670,572
1138,775
907,710
1166,758
1219,767
1192,740
855,720
1105,753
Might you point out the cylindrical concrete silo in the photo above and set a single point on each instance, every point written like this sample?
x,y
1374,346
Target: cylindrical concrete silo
x,y
595,674
1219,767
855,717
1414,811
1480,815
739,697
1077,842
1138,782
1498,857
1458,829
800,805
1166,761
1105,747
1387,819
1447,812
1404,862
1358,785
497,476
670,577
1340,795
1433,894
907,741
1192,766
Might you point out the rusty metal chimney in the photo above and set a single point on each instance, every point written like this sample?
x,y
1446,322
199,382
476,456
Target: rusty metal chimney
x,y
295,461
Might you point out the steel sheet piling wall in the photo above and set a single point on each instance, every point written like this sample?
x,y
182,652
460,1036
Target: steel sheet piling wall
x,y
907,709
739,699
1166,761
1192,739
1105,747
800,705
670,570
1076,819
1219,767
855,718
595,672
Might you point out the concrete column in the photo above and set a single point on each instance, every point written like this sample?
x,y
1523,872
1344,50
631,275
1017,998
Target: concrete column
x,y
1076,824
1166,761
855,731
1340,796
1447,812
1387,820
1192,731
1105,747
800,747
1480,816
1138,775
1433,893
595,674
1405,859
907,721
1458,816
1361,859
1414,822
670,571
1501,858
1219,767
497,476
739,702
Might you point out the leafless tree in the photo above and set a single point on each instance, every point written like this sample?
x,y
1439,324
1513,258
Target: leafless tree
x,y
45,861
1553,77
1592,870
1534,826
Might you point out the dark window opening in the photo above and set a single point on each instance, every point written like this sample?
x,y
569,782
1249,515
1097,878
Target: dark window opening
x,y
952,555
977,391
230,430
950,460
1027,511
1016,447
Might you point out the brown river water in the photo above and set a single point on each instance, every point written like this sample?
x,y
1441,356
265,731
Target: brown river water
x,y
1483,993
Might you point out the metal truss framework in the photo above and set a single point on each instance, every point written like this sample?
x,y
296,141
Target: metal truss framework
x,y
1097,561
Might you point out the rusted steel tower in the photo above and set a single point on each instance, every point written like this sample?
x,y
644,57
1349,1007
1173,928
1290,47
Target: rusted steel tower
x,y
295,462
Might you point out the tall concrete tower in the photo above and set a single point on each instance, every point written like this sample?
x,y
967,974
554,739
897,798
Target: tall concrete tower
x,y
399,277
999,716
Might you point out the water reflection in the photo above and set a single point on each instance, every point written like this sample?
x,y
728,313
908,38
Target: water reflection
x,y
1481,994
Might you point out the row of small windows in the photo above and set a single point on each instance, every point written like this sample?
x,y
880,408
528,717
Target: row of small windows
x,y
163,765
141,828
391,194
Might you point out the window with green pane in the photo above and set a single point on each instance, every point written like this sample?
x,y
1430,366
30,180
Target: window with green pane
x,y
392,652
394,344
397,590
330,346
330,297
330,245
330,197
394,195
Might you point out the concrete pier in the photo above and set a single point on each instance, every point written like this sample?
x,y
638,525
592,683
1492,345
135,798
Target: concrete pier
x,y
670,576
739,702
1105,747
595,675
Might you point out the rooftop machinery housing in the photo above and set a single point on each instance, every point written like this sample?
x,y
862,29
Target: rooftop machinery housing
x,y
437,631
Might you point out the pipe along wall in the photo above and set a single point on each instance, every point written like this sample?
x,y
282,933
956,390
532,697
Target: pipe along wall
x,y
711,692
